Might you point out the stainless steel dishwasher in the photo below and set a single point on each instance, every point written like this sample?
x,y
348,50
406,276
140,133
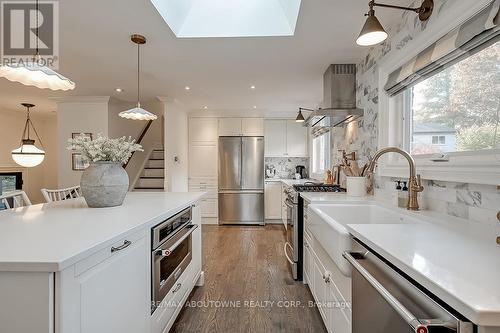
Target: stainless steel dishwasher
x,y
384,300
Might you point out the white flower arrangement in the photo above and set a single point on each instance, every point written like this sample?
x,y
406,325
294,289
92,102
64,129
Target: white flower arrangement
x,y
104,149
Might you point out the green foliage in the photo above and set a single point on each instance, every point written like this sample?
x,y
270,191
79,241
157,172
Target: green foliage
x,y
466,97
478,137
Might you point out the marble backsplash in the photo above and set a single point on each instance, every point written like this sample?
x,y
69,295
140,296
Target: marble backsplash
x,y
284,167
470,201
478,203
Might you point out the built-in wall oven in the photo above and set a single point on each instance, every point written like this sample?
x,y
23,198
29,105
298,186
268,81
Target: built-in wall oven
x,y
171,253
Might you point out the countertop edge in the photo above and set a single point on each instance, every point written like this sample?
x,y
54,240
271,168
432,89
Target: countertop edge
x,y
52,267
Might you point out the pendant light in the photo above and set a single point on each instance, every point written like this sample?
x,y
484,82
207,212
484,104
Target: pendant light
x,y
374,33
28,155
34,73
138,113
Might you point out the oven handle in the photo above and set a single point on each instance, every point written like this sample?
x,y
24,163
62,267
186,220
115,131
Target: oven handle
x,y
288,203
418,325
170,249
286,254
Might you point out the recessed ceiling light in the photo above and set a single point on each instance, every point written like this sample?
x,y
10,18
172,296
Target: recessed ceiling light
x,y
252,87
118,89
255,106
187,88
205,107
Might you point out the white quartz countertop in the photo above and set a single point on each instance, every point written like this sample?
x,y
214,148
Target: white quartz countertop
x,y
455,259
460,269
51,237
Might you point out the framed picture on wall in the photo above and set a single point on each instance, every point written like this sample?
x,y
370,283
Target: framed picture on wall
x,y
86,135
78,162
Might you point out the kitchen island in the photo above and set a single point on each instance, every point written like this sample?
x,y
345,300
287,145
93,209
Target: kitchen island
x,y
65,267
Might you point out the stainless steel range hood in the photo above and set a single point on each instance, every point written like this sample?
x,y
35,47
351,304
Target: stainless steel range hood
x,y
339,98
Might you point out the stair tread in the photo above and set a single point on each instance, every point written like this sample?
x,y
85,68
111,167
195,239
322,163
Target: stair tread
x,y
157,159
149,188
154,168
151,177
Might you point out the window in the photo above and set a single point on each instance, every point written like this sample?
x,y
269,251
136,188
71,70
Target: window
x,y
10,181
438,140
456,110
321,154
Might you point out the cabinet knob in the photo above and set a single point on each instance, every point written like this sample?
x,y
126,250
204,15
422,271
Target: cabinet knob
x,y
327,277
177,287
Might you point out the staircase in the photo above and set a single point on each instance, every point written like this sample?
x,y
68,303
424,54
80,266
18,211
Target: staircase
x,y
153,175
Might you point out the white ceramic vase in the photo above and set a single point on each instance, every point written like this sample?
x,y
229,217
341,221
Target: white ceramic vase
x,y
104,184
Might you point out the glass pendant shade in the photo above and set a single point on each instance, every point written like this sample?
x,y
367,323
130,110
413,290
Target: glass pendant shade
x,y
31,73
137,113
300,117
28,155
372,33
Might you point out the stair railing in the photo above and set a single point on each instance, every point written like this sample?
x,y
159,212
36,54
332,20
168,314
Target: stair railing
x,y
139,139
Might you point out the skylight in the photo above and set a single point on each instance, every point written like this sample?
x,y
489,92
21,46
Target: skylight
x,y
229,18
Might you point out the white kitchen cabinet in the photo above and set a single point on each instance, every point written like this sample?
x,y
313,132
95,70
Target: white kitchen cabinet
x,y
285,138
209,203
252,126
307,263
108,291
273,200
203,131
326,282
274,137
203,161
296,139
241,127
230,126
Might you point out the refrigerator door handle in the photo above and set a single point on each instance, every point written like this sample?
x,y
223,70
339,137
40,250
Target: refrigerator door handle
x,y
241,191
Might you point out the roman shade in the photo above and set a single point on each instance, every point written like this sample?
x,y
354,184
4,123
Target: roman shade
x,y
477,33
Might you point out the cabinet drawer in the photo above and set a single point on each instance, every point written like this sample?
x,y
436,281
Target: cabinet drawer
x,y
163,316
211,191
209,208
104,254
195,181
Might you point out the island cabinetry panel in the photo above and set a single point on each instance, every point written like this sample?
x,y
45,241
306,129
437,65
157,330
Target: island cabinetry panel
x,y
26,302
110,291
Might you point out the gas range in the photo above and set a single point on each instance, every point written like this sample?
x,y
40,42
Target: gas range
x,y
318,188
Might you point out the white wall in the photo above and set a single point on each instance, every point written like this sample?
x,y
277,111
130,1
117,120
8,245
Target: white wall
x,y
176,145
43,175
78,115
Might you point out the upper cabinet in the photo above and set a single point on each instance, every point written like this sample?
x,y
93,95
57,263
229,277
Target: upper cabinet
x,y
241,127
285,138
203,131
203,140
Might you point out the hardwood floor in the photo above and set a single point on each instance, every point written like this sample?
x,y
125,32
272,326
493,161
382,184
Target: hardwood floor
x,y
245,268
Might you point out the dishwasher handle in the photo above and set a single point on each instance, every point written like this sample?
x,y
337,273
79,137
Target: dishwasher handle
x,y
418,325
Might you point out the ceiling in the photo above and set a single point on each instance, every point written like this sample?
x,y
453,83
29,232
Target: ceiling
x,y
96,53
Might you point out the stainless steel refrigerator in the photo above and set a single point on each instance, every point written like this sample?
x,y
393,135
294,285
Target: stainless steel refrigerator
x,y
241,180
